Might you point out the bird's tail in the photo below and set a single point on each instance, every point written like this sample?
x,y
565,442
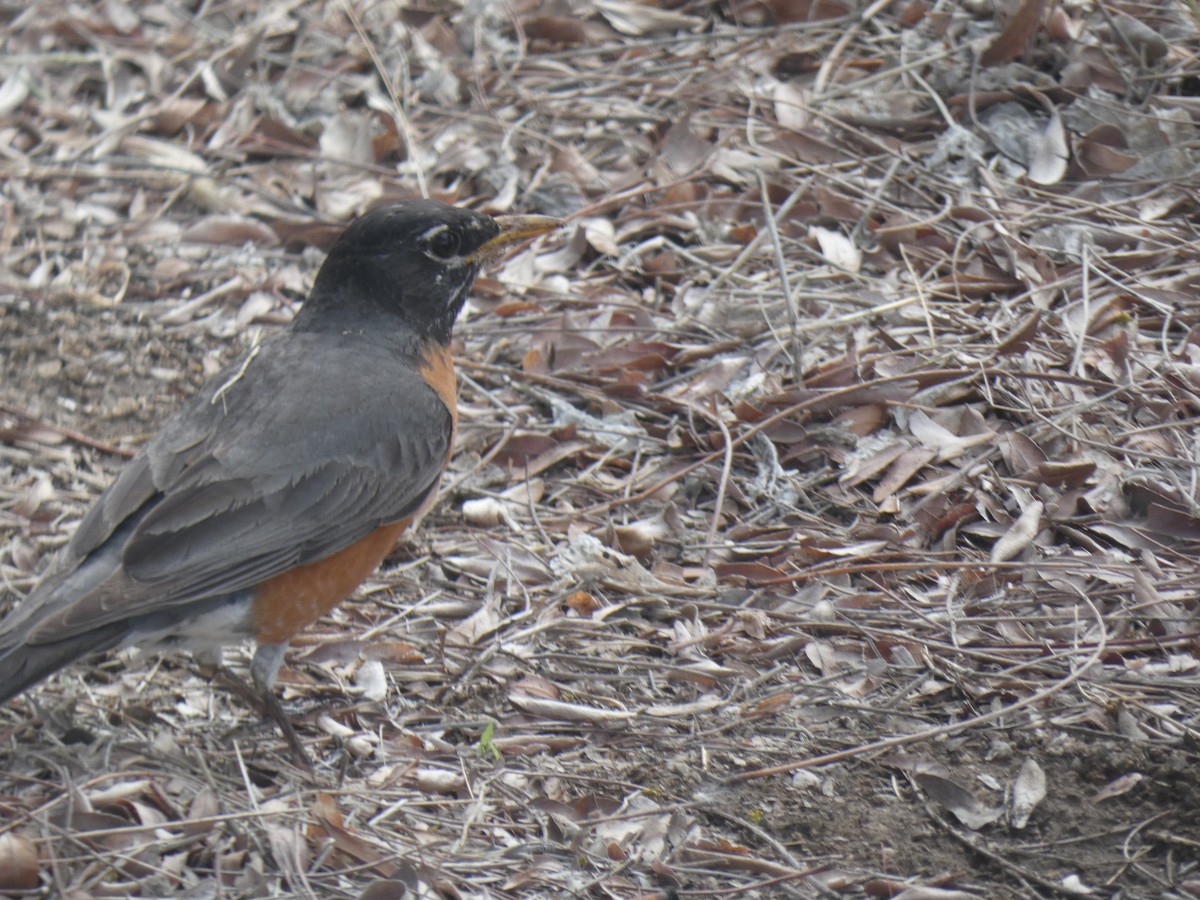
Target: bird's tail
x,y
22,664
26,657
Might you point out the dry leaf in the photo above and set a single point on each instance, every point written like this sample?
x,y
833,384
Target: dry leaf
x,y
564,30
385,890
788,12
19,866
905,467
1144,40
1048,163
1018,32
1102,151
229,230
570,712
1020,535
1118,787
636,19
1029,789
838,248
370,681
477,626
438,781
13,91
964,805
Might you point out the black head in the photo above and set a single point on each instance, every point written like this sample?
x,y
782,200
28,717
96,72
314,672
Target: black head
x,y
413,261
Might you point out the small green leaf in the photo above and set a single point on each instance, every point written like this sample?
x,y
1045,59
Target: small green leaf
x,y
485,747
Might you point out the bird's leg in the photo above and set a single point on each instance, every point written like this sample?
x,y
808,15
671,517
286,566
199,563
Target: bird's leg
x,y
263,669
253,694
210,664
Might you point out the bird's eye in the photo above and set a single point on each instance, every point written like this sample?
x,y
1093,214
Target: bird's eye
x,y
443,244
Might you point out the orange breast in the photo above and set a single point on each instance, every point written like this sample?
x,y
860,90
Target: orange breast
x,y
437,368
289,603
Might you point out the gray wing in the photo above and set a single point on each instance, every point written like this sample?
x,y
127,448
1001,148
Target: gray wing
x,y
307,449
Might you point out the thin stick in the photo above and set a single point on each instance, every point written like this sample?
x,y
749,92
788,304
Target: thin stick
x,y
788,299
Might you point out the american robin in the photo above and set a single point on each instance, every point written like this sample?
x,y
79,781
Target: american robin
x,y
289,477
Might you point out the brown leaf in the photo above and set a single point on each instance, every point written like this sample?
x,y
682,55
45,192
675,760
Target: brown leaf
x,y
272,138
1101,152
639,538
528,455
906,466
574,166
951,518
535,686
862,420
19,866
683,150
351,849
1061,27
1020,535
582,603
515,308
866,468
1093,67
956,799
642,356
300,233
751,573
475,627
1014,39
1019,339
176,112
570,712
1067,475
791,65
1118,786
1143,40
1021,453
912,12
968,284
789,12
229,230
384,890
566,31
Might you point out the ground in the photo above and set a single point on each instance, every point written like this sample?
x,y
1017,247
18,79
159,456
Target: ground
x,y
824,515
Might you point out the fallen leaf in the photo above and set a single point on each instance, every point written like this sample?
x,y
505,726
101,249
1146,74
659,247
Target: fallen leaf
x,y
570,712
1104,151
1018,32
636,19
20,869
1140,37
1118,786
837,248
1029,789
957,800
1048,163
1020,535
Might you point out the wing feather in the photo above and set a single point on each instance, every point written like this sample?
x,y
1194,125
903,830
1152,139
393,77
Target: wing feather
x,y
254,478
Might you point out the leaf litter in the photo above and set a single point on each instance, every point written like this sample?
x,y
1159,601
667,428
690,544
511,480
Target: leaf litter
x,y
852,413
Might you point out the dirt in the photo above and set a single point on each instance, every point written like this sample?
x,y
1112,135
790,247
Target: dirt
x,y
746,625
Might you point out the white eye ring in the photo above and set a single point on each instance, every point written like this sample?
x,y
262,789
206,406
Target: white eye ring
x,y
441,243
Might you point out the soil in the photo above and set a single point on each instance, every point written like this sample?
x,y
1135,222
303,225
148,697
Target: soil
x,y
782,597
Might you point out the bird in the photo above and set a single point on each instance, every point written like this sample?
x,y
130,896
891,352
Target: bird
x,y
289,476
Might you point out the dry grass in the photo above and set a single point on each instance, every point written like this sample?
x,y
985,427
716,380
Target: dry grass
x,y
825,512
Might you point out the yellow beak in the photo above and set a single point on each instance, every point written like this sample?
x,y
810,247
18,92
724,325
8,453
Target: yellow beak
x,y
513,230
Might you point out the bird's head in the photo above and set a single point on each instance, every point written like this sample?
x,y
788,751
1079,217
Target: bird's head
x,y
415,261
